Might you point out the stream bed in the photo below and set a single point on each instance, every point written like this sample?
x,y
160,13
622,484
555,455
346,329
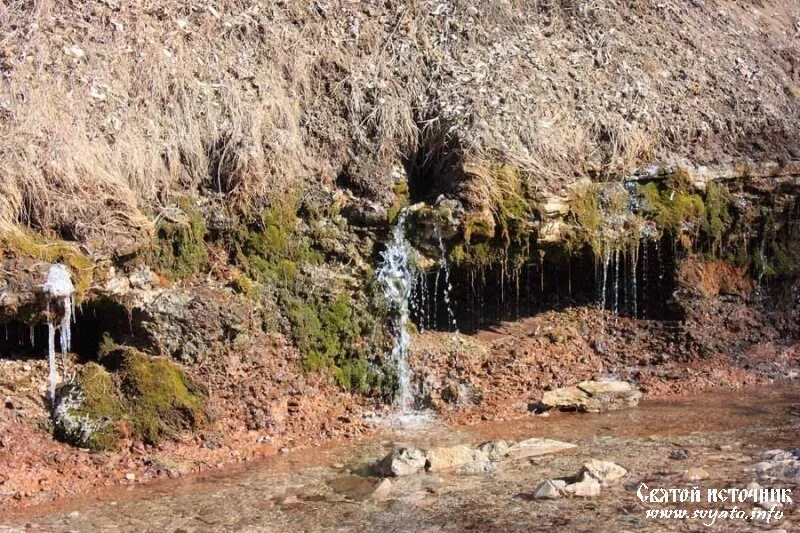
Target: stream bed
x,y
663,443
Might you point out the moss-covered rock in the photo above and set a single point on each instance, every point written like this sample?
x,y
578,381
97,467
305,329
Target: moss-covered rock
x,y
146,398
399,200
161,399
35,246
179,248
90,409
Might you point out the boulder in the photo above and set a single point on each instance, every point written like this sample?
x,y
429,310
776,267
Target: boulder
x,y
401,462
535,447
449,457
593,396
605,472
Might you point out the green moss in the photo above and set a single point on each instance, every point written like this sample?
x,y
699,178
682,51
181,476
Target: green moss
x,y
779,253
28,244
335,336
272,249
162,399
242,284
718,218
478,227
502,234
401,196
587,217
179,248
101,403
673,209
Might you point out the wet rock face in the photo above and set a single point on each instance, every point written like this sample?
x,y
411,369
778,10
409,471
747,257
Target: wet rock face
x,y
593,397
192,326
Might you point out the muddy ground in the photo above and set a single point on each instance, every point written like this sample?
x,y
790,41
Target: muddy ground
x,y
705,441
497,373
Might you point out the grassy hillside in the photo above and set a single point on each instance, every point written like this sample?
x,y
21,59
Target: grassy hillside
x,y
111,108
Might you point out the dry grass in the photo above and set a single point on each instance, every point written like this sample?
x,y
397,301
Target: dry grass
x,y
109,109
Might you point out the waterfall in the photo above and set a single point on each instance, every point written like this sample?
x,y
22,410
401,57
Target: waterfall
x,y
396,276
58,288
448,287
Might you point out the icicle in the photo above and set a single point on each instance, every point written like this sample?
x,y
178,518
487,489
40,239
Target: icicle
x,y
448,287
616,283
33,335
58,287
66,334
635,294
606,261
51,358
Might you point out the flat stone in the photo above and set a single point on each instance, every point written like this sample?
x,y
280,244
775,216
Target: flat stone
x,y
401,462
593,396
547,490
446,458
604,471
771,454
362,488
535,447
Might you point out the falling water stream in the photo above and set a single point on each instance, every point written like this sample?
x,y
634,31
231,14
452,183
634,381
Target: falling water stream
x,y
396,276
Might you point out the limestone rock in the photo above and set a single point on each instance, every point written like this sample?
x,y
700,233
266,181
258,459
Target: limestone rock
x,y
587,487
495,450
696,474
476,468
547,490
593,396
605,472
401,462
449,457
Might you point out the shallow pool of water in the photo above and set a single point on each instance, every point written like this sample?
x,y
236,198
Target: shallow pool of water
x,y
722,432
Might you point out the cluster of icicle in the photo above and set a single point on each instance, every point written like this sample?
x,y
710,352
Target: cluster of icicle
x,y
59,291
396,277
425,304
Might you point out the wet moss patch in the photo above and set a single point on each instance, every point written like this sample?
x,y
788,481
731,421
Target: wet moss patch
x,y
179,248
161,399
144,397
